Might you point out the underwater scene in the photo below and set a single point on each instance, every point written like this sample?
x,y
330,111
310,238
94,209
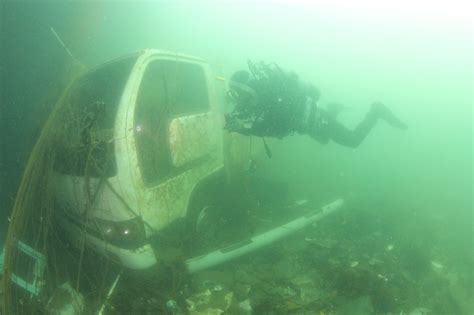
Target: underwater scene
x,y
236,157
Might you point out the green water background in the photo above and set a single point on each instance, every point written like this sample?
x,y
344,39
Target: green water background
x,y
416,58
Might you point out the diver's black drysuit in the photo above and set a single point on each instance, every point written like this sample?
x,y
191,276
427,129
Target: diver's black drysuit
x,y
328,128
273,103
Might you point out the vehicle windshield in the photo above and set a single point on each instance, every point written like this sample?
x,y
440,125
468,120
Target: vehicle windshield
x,y
85,138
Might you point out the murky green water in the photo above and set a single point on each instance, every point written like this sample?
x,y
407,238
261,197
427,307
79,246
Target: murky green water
x,y
410,191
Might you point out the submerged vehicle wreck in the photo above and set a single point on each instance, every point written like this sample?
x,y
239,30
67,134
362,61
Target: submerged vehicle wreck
x,y
132,172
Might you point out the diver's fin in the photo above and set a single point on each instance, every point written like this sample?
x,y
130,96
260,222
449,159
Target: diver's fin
x,y
383,112
397,123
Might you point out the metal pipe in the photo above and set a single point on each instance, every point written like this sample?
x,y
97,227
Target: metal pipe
x,y
226,254
109,294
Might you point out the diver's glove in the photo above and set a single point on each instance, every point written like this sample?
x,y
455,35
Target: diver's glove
x,y
235,124
383,112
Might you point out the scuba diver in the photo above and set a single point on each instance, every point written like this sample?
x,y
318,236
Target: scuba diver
x,y
270,102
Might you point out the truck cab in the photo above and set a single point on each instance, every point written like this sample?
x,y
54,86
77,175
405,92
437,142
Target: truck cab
x,y
138,138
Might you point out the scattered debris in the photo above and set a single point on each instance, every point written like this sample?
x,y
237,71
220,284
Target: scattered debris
x,y
354,264
172,306
436,265
330,269
245,307
417,311
65,301
209,302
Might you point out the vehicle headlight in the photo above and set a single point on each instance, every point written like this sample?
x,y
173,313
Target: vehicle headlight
x,y
128,234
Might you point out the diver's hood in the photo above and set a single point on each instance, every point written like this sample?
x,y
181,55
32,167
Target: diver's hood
x,y
241,87
241,92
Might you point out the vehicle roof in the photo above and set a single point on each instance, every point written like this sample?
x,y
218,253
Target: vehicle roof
x,y
167,53
146,53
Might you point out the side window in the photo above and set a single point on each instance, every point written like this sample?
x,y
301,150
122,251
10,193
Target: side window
x,y
84,139
168,89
